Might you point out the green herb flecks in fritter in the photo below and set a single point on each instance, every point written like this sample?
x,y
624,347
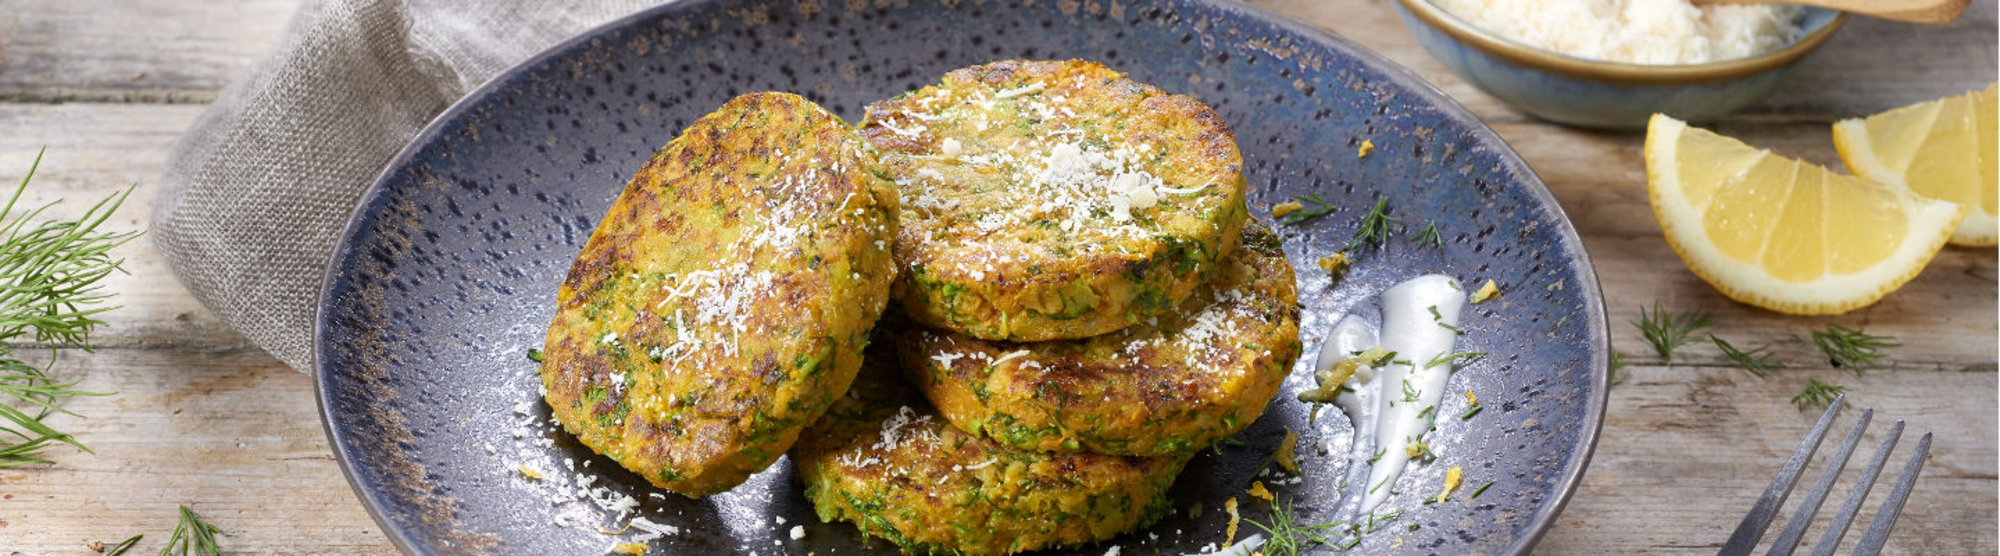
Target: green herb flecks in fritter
x,y
883,460
1191,377
1054,200
724,301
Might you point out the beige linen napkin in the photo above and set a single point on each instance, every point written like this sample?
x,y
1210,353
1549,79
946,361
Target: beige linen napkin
x,y
260,187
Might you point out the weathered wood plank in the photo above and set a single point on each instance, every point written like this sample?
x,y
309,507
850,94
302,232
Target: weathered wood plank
x,y
233,435
93,151
131,50
1685,451
207,420
166,51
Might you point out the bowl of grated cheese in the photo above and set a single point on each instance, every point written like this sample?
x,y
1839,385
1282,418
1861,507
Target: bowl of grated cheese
x,y
1611,64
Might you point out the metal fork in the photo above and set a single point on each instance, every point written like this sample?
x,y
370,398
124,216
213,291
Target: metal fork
x,y
1753,526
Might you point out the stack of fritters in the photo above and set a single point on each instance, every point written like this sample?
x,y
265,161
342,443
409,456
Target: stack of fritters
x,y
1090,307
1079,301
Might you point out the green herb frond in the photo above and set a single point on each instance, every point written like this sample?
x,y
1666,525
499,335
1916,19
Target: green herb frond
x,y
1451,358
1317,207
51,293
192,537
1757,361
1850,349
1617,374
1429,236
1667,332
1817,394
123,546
1374,226
1288,538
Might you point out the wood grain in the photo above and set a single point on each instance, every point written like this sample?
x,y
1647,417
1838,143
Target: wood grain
x,y
203,418
148,51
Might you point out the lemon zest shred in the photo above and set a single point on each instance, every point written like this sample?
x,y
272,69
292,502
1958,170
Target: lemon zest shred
x,y
1230,507
1287,451
1452,478
1489,290
1257,490
1335,263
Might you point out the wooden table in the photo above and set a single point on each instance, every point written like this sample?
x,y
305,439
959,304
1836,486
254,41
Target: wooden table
x,y
204,418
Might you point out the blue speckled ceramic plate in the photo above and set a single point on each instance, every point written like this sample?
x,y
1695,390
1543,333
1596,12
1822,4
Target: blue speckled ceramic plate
x,y
447,274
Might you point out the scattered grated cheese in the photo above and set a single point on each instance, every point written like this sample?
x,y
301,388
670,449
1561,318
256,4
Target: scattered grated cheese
x,y
1011,93
1367,146
1636,31
632,548
1285,209
652,530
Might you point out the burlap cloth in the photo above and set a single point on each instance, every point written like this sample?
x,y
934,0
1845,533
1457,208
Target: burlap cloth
x,y
260,187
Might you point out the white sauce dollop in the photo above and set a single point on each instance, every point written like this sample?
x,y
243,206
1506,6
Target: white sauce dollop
x,y
1398,401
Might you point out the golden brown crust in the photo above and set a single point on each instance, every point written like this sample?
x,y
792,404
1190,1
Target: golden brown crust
x,y
724,300
1054,200
884,460
1199,374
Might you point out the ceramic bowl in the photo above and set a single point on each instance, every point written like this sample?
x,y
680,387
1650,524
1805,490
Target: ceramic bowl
x,y
1607,95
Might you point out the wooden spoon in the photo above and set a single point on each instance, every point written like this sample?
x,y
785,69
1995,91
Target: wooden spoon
x,y
1934,12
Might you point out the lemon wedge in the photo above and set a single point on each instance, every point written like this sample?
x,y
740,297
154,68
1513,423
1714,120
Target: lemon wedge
x,y
1943,149
1782,234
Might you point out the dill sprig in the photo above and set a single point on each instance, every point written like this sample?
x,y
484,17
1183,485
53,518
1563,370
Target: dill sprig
x,y
1668,332
1617,376
1757,361
1450,358
51,292
1429,236
1850,349
1319,208
1374,226
192,537
1288,538
123,546
1817,394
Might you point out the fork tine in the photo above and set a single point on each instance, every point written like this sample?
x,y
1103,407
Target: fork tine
x,y
1878,528
1809,506
1830,538
1752,528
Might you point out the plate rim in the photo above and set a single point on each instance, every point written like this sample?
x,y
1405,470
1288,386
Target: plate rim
x,y
1597,321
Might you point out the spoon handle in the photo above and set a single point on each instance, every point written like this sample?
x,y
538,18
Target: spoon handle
x,y
1934,12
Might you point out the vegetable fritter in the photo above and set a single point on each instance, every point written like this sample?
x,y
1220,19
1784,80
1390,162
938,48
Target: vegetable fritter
x,y
1054,200
723,303
884,460
1198,374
